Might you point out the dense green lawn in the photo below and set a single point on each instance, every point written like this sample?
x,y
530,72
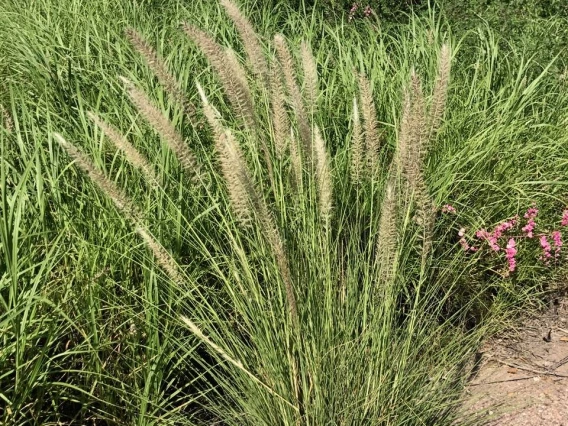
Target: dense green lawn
x,y
179,313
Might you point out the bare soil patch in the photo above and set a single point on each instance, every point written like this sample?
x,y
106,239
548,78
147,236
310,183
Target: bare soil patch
x,y
521,377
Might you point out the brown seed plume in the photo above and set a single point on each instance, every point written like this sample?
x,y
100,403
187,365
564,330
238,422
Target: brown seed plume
x,y
240,75
287,64
387,236
129,151
413,146
402,155
235,86
243,194
126,207
164,127
250,40
310,74
159,68
440,92
372,137
234,64
356,145
236,177
413,134
296,162
233,166
280,121
323,176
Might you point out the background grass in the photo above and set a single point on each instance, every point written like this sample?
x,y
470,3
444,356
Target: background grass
x,y
90,327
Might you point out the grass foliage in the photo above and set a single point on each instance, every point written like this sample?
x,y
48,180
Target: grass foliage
x,y
242,228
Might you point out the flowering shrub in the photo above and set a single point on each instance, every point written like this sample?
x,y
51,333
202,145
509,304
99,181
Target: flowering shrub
x,y
505,238
386,10
357,10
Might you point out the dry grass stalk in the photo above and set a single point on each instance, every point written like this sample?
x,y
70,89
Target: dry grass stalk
x,y
240,75
7,119
130,152
356,144
404,135
387,237
369,112
158,67
163,126
126,207
105,184
413,145
236,176
233,165
234,64
270,231
199,334
296,162
243,194
287,64
323,176
412,135
419,142
310,74
162,256
280,121
235,86
213,116
250,40
418,114
440,92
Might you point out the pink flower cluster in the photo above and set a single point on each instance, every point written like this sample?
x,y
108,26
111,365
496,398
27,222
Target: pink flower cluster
x,y
355,7
511,248
564,221
530,215
557,240
493,237
448,208
510,253
546,248
463,242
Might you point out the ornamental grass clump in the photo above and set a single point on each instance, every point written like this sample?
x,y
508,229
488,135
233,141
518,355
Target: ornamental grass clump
x,y
307,297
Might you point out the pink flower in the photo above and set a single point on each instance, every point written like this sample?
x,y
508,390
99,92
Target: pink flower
x,y
531,212
530,215
491,239
352,11
367,12
529,228
546,248
482,234
557,239
463,242
510,253
564,218
448,208
503,227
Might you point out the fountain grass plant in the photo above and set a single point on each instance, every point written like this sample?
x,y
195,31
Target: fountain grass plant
x,y
250,235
